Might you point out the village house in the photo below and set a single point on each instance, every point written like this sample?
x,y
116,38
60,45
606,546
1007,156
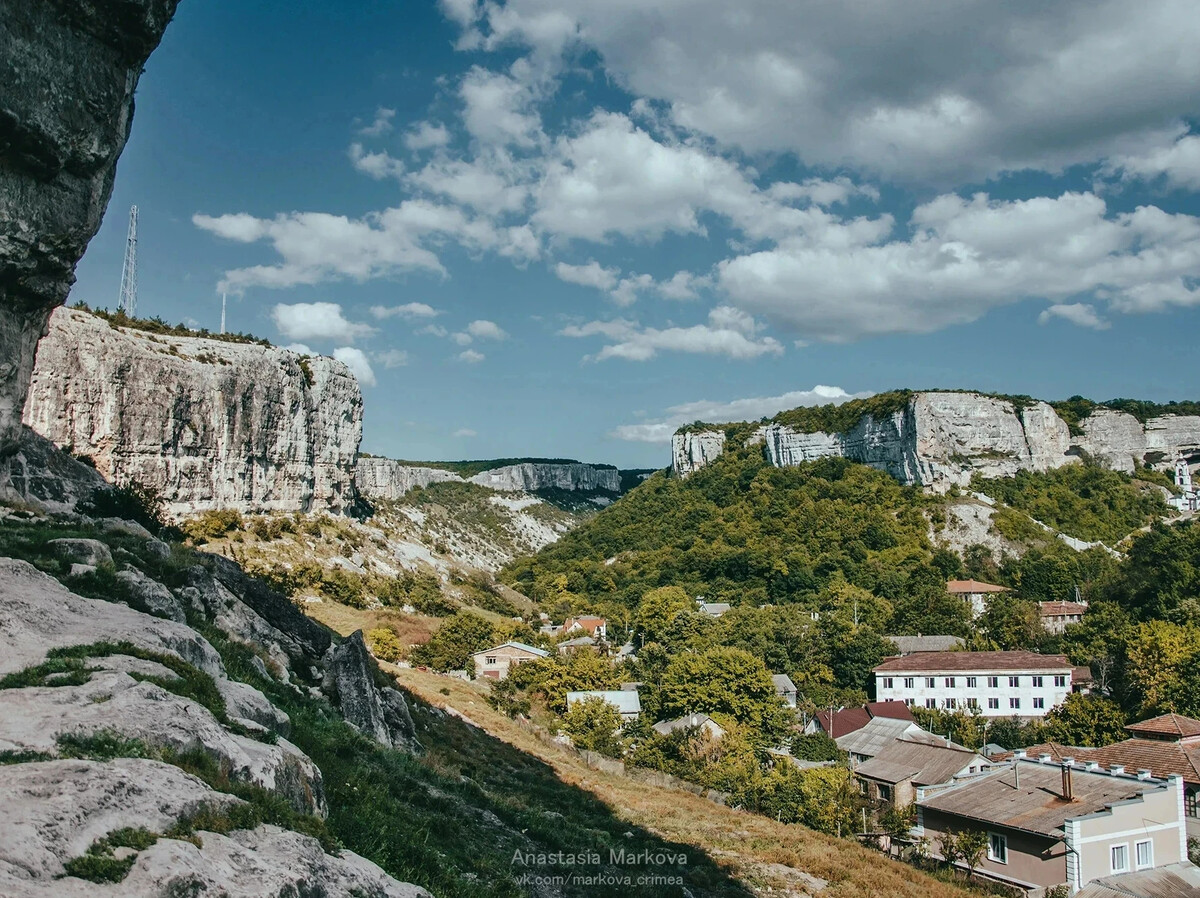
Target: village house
x,y
582,643
974,592
893,775
1051,824
998,684
868,741
627,701
712,609
846,720
1166,745
496,662
785,689
1057,616
702,722
595,627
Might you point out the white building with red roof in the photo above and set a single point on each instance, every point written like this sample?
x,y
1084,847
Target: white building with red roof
x,y
974,592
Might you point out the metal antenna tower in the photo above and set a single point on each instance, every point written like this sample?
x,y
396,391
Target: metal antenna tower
x,y
222,312
127,302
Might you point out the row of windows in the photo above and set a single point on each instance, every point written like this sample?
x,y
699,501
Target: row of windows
x,y
1118,854
992,703
1037,682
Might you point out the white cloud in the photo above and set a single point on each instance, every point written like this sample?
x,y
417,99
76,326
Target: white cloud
x,y
464,433
482,329
919,91
239,227
1178,164
391,358
462,338
1079,313
381,125
749,409
683,286
593,274
356,361
408,311
729,332
435,330
471,357
376,165
317,321
490,184
499,109
426,136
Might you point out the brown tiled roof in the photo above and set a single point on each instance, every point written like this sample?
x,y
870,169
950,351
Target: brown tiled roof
x,y
845,721
1036,806
1160,758
1167,725
973,661
970,586
892,709
1060,609
923,763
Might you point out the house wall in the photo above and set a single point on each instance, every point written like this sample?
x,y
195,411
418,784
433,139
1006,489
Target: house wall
x,y
919,693
506,658
1155,817
1033,860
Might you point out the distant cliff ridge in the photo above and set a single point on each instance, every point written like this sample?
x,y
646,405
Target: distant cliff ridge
x,y
208,423
940,439
384,478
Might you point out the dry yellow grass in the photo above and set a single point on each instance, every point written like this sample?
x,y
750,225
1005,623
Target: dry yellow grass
x,y
763,854
412,629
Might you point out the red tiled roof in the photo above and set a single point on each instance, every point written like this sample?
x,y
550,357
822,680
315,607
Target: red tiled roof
x,y
845,721
894,710
1167,725
1160,758
1060,609
973,661
970,586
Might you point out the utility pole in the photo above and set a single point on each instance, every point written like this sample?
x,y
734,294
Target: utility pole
x,y
127,301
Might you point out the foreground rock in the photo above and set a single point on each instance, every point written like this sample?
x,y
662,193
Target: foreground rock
x,y
208,424
379,714
69,72
55,810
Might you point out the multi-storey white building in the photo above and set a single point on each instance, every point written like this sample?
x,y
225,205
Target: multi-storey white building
x,y
999,684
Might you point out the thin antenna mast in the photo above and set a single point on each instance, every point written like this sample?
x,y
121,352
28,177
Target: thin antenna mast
x,y
127,302
222,312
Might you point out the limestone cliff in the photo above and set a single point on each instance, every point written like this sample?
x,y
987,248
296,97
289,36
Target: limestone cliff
x,y
940,439
384,478
68,71
210,424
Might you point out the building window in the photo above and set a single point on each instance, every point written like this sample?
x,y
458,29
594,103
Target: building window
x,y
1060,681
1014,681
490,659
1120,858
910,701
931,703
1144,851
972,682
1014,703
1037,682
972,703
994,704
993,682
930,682
951,703
909,682
1191,802
950,681
885,792
998,848
1039,703
887,682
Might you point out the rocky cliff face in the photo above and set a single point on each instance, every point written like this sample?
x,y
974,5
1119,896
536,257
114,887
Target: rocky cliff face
x,y
208,423
69,70
383,478
939,440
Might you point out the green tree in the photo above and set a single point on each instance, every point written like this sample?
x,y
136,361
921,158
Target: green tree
x,y
1159,666
385,644
592,725
657,611
453,643
724,681
553,677
1088,720
1009,622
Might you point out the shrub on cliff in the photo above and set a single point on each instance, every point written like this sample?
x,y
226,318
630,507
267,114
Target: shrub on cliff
x,y
212,525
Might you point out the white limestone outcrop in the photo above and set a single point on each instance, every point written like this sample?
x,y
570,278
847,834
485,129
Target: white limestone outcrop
x,y
387,479
209,424
940,439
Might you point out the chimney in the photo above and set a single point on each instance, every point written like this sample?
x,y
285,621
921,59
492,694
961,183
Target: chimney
x,y
1091,766
1116,769
1067,791
1043,758
1143,774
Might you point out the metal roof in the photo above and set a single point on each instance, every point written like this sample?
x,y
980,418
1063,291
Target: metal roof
x,y
906,645
923,763
625,701
666,727
541,653
876,735
783,683
1169,881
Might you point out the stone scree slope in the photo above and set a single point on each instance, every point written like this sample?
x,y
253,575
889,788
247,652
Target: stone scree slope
x,y
209,424
939,440
69,71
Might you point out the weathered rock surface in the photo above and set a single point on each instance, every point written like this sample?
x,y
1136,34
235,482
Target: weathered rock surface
x,y
55,810
207,423
38,473
350,683
37,613
940,439
152,595
81,551
69,71
32,718
385,478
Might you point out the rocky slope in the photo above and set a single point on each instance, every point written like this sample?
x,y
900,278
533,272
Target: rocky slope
x,y
384,478
69,71
209,424
940,439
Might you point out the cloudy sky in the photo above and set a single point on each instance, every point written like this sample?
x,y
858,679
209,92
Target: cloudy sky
x,y
560,227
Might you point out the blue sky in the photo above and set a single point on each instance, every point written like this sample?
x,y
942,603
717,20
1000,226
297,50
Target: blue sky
x,y
560,228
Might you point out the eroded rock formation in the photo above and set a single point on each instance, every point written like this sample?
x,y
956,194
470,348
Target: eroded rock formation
x,y
384,478
209,424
